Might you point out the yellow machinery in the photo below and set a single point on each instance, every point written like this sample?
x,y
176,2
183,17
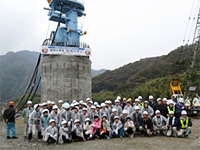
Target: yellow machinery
x,y
175,87
175,91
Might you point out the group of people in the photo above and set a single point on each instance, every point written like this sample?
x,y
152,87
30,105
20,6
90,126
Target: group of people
x,y
81,121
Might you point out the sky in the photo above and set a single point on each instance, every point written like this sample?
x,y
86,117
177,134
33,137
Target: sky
x,y
119,31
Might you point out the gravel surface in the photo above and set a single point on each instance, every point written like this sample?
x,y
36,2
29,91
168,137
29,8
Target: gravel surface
x,y
138,142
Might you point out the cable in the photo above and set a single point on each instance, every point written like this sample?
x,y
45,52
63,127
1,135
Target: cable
x,y
48,29
31,80
16,95
196,10
25,102
188,21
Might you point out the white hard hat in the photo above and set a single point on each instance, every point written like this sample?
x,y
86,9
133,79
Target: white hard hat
x,y
183,112
72,105
36,106
80,102
110,102
159,99
48,102
181,100
93,107
139,97
77,120
63,122
118,97
95,103
29,102
124,112
106,102
76,104
146,102
87,119
45,110
145,113
137,108
53,103
55,107
76,107
137,100
164,99
74,101
128,117
157,111
171,112
116,117
88,99
171,102
128,101
84,109
91,102
60,101
114,109
66,106
40,104
104,115
84,104
98,106
150,97
52,120
44,104
117,101
103,105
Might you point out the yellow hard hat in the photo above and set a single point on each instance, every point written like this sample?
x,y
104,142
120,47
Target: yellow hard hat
x,y
130,99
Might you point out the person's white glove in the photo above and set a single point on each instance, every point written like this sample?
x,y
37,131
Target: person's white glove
x,y
101,132
90,135
116,132
93,125
125,129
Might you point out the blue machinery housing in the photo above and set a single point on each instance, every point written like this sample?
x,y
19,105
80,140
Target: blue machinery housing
x,y
66,12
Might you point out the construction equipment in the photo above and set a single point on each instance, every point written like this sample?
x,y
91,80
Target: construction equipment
x,y
192,106
175,92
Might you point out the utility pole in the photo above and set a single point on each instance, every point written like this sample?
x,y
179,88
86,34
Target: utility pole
x,y
194,70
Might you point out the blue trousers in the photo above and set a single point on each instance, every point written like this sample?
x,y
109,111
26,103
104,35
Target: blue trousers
x,y
10,126
120,132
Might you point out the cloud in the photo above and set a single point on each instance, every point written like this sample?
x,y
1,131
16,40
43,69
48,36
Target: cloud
x,y
119,32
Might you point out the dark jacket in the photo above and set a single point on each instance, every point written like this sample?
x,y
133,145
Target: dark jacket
x,y
122,105
161,108
172,122
9,114
147,122
153,105
179,108
184,122
135,119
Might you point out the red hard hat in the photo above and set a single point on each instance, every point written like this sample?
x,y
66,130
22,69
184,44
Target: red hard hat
x,y
11,103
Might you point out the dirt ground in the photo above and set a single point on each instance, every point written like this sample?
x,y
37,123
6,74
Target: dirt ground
x,y
138,142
